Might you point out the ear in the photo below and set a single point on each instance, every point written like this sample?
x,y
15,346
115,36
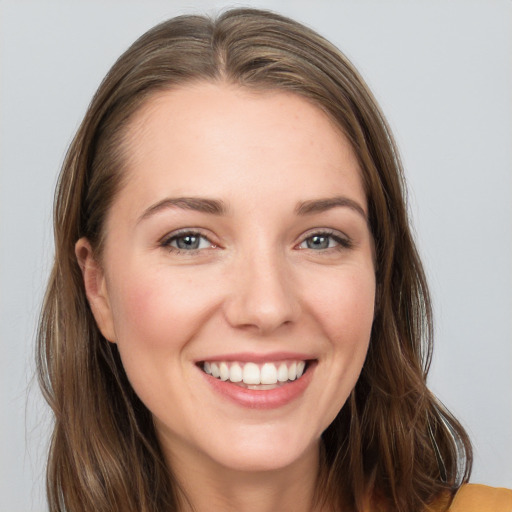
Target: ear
x,y
95,288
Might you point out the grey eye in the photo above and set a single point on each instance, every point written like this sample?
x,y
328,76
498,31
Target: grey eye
x,y
319,242
322,241
189,242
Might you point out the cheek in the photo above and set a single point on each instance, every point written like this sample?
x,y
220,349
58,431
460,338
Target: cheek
x,y
157,309
345,311
153,321
156,315
345,307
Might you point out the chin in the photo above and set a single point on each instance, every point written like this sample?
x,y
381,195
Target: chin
x,y
268,451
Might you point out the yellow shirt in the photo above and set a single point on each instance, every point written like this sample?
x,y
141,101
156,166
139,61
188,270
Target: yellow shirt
x,y
479,498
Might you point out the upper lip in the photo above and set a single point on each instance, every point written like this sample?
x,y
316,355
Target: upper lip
x,y
253,357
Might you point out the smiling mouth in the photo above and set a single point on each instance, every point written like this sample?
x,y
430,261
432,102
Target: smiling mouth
x,y
258,376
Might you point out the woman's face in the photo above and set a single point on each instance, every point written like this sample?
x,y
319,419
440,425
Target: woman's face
x,y
237,252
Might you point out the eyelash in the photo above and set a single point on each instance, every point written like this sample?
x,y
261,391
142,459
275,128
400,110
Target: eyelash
x,y
167,241
341,242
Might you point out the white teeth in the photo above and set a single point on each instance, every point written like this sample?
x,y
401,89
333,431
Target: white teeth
x,y
235,374
224,371
268,374
215,370
282,373
251,374
292,371
254,375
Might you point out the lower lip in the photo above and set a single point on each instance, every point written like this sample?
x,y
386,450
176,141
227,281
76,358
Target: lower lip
x,y
262,399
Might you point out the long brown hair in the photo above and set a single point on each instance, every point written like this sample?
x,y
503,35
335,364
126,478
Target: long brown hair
x,y
392,440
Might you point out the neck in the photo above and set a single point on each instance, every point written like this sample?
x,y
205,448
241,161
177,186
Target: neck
x,y
208,487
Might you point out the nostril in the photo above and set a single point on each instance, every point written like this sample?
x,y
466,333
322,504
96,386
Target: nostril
x,y
261,299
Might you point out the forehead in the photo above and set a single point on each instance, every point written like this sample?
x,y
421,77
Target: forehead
x,y
209,138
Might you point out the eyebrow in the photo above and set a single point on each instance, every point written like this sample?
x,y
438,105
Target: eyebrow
x,y
198,204
218,207
322,205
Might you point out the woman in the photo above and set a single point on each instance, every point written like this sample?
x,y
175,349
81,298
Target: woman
x,y
237,318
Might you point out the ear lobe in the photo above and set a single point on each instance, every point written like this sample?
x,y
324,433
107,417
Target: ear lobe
x,y
95,288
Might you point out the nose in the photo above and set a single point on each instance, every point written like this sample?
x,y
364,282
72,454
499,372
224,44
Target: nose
x,y
261,297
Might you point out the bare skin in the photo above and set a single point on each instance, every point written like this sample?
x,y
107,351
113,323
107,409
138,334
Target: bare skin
x,y
287,489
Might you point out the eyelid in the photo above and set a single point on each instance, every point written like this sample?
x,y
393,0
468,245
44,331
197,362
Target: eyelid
x,y
166,240
343,240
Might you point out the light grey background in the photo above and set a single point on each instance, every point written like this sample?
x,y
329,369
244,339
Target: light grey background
x,y
442,72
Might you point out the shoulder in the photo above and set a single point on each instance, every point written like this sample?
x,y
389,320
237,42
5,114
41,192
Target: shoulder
x,y
480,498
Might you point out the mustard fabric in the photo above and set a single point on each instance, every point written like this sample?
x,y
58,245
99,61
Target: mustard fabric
x,y
480,498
